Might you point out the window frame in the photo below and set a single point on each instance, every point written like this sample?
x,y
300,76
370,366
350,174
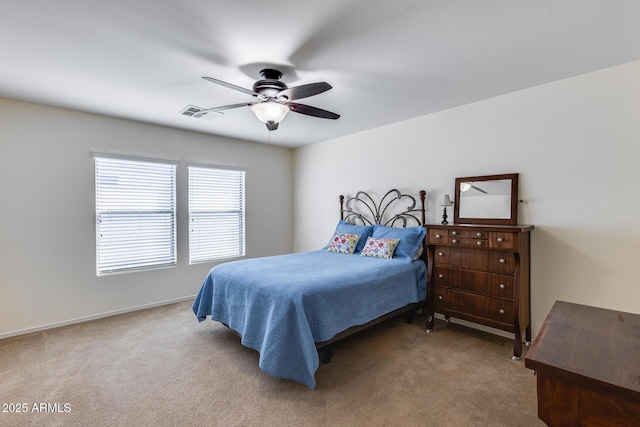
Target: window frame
x,y
153,244
199,252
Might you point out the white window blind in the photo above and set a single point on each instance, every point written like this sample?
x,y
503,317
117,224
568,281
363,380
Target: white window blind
x,y
135,214
216,213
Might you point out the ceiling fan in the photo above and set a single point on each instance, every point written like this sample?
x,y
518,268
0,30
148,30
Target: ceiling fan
x,y
274,98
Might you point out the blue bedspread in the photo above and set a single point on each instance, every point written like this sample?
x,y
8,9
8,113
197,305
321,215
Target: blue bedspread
x,y
282,305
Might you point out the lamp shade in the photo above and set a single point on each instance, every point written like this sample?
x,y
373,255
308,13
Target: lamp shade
x,y
270,111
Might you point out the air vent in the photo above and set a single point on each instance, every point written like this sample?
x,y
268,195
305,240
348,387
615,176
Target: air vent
x,y
193,111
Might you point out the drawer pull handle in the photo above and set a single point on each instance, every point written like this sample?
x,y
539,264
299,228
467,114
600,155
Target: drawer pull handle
x,y
500,240
479,243
502,260
479,234
502,286
438,236
440,297
455,233
454,241
440,253
441,276
501,311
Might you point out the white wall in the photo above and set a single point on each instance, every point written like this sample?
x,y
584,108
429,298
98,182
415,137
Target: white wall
x,y
47,212
576,145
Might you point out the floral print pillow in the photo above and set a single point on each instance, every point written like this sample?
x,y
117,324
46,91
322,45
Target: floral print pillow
x,y
381,247
344,243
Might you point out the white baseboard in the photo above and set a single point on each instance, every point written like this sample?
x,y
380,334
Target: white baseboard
x,y
93,317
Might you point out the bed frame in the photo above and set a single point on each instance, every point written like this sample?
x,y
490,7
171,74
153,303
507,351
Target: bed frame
x,y
362,209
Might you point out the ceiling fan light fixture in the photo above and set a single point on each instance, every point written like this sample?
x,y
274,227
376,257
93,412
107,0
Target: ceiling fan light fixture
x,y
270,111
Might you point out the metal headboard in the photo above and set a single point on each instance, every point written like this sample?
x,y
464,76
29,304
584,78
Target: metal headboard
x,y
363,208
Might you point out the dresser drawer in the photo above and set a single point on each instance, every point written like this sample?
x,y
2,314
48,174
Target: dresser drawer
x,y
473,243
490,284
496,309
501,240
490,261
437,237
472,234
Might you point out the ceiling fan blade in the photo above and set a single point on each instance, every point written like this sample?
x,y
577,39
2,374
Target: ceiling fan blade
x,y
231,86
304,91
312,111
478,189
226,107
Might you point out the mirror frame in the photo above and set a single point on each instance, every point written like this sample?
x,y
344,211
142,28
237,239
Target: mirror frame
x,y
493,221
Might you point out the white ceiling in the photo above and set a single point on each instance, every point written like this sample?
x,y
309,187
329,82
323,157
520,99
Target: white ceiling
x,y
387,61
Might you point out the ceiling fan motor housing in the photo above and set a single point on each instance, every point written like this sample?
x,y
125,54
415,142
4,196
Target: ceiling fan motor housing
x,y
270,85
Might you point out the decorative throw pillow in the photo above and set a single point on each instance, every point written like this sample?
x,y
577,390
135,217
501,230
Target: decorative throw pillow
x,y
410,239
380,248
363,230
344,243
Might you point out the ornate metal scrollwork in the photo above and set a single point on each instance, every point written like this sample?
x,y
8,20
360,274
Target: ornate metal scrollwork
x,y
364,209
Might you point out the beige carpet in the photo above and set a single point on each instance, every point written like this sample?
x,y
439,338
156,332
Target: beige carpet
x,y
160,367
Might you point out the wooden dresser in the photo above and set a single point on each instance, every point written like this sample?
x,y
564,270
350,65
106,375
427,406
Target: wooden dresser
x,y
587,367
480,273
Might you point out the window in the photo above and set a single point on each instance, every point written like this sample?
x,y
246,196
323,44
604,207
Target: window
x,y
216,213
135,214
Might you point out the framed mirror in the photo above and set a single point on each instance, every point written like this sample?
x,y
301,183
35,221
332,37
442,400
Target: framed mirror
x,y
489,199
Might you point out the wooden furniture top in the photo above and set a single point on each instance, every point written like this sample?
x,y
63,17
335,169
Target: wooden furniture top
x,y
591,347
487,227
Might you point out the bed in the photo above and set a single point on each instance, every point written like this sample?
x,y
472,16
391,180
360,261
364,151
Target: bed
x,y
294,308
